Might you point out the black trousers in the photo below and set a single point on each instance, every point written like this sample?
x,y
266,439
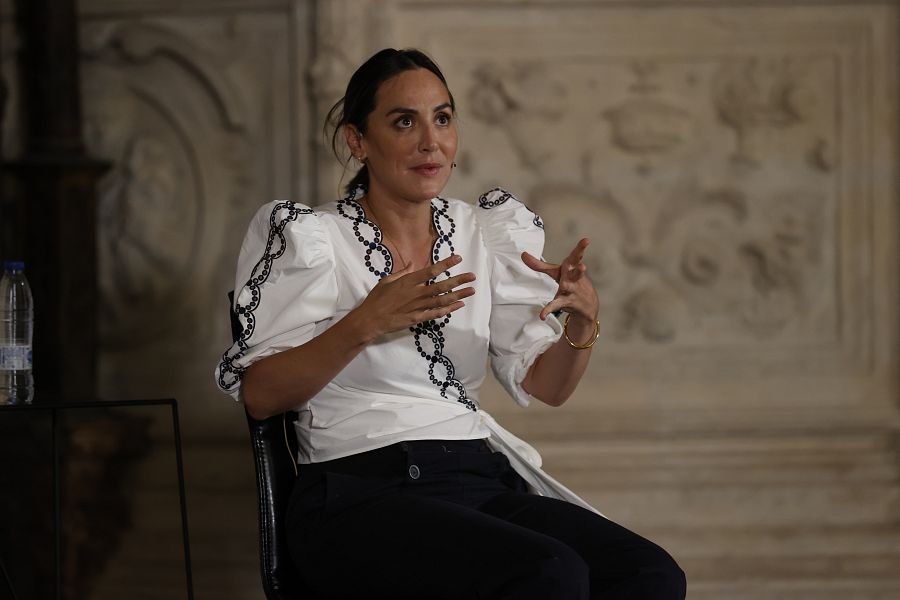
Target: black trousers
x,y
451,519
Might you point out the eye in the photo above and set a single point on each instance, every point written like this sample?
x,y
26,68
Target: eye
x,y
443,118
404,122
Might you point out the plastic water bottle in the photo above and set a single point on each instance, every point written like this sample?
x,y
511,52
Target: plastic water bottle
x,y
16,328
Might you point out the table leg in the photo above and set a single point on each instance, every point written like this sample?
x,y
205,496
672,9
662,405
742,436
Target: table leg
x,y
9,585
184,522
57,517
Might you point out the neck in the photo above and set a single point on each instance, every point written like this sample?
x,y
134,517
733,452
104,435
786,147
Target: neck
x,y
405,223
406,229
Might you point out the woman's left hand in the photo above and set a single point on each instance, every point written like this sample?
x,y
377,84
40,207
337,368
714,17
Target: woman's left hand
x,y
576,294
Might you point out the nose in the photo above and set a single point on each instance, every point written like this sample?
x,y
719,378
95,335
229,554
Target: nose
x,y
428,142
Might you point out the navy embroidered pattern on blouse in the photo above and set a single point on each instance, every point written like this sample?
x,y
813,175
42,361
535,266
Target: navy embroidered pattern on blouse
x,y
367,233
445,228
484,203
428,336
282,214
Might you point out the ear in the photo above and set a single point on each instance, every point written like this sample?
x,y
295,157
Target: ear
x,y
354,141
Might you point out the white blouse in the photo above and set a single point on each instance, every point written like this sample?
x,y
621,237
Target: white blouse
x,y
301,270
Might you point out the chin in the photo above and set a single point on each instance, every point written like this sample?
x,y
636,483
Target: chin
x,y
425,194
437,192
435,189
421,189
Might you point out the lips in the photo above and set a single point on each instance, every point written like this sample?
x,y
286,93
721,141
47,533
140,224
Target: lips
x,y
428,169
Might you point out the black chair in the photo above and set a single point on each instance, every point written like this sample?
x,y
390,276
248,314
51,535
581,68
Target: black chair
x,y
274,454
274,451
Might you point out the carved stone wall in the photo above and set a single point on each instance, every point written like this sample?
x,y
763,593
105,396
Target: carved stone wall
x,y
201,106
735,169
733,163
200,113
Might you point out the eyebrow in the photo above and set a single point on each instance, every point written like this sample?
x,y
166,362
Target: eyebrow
x,y
404,110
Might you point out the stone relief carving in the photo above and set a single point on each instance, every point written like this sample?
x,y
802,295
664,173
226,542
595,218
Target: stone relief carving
x,y
646,125
523,99
172,146
336,56
715,246
142,43
706,267
148,222
755,94
694,240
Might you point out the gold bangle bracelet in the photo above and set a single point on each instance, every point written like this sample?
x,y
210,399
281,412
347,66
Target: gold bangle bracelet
x,y
579,346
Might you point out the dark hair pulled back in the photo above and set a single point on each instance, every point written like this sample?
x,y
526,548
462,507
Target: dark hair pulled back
x,y
359,99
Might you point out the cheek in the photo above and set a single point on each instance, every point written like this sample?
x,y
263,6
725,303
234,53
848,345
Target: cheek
x,y
395,152
451,144
405,148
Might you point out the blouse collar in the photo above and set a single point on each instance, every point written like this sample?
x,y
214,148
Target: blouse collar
x,y
376,255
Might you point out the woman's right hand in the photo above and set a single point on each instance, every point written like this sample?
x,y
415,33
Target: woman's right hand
x,y
403,299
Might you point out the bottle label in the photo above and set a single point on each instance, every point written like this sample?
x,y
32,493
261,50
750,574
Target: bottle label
x,y
15,358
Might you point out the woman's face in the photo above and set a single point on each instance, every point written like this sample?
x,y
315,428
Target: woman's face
x,y
411,138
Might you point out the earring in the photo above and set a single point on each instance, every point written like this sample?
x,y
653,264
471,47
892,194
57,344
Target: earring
x,y
453,166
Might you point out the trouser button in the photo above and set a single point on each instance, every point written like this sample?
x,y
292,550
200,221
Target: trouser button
x,y
414,472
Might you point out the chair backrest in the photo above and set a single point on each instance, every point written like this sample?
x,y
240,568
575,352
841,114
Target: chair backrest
x,y
274,454
274,448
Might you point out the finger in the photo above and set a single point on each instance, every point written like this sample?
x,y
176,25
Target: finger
x,y
577,253
536,264
437,313
553,306
450,283
575,272
460,294
569,273
541,266
573,267
428,273
443,300
407,268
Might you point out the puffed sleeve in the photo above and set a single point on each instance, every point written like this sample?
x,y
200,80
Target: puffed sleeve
x,y
518,336
285,284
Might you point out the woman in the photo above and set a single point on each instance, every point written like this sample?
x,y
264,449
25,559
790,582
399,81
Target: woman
x,y
374,318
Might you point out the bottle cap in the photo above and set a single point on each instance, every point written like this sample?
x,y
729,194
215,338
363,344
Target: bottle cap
x,y
13,265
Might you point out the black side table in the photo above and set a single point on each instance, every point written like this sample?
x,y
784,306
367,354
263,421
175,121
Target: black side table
x,y
55,409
